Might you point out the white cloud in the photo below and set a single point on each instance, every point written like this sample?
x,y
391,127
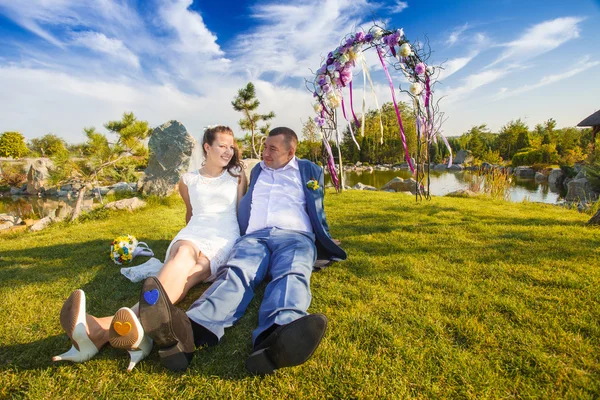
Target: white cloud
x,y
474,44
64,104
579,67
292,36
193,35
113,47
456,34
398,7
453,65
541,38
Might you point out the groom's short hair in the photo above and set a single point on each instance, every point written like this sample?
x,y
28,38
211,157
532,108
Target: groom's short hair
x,y
290,137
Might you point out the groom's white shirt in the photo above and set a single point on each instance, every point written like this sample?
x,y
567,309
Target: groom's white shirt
x,y
278,200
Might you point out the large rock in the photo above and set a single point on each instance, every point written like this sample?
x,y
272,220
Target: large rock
x,y
249,163
37,175
401,185
463,157
41,224
539,177
524,172
580,190
126,204
556,177
361,186
122,187
462,193
440,167
8,221
170,153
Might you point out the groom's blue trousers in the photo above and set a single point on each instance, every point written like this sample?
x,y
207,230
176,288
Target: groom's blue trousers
x,y
285,257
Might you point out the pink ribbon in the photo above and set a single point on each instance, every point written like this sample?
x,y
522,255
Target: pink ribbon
x,y
427,90
406,155
352,107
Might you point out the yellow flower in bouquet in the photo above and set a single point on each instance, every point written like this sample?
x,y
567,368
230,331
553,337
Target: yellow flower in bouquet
x,y
121,249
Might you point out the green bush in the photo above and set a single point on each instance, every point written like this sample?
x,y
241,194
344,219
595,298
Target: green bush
x,y
527,156
12,144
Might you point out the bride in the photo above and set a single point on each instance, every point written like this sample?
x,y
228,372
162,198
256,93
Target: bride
x,y
211,195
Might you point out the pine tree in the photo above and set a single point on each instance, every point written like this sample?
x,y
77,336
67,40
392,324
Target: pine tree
x,y
246,103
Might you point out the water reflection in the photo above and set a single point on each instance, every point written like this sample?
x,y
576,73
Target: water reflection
x,y
445,182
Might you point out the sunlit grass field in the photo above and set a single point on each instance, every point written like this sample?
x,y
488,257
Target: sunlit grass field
x,y
448,298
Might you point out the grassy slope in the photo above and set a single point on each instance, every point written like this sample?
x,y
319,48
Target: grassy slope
x,y
446,298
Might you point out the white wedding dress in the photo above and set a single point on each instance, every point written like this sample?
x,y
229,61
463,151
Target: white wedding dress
x,y
213,227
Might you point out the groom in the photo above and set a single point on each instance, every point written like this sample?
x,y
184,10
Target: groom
x,y
284,230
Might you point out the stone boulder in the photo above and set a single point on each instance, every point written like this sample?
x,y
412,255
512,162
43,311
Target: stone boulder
x,y
580,190
41,224
486,166
524,172
122,187
401,185
170,148
38,174
456,167
462,193
539,177
249,163
361,186
8,221
556,177
463,157
18,191
126,204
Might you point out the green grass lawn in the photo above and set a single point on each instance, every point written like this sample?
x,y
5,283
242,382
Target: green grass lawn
x,y
448,298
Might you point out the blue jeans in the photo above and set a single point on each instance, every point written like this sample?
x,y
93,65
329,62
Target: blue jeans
x,y
285,257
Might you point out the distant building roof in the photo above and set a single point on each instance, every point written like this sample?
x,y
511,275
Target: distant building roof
x,y
592,120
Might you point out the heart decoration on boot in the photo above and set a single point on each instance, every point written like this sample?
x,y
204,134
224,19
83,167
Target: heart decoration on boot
x,y
151,296
122,329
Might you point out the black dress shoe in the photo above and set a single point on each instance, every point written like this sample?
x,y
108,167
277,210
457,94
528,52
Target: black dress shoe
x,y
288,345
167,325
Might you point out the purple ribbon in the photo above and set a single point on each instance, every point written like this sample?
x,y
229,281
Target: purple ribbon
x,y
406,155
427,90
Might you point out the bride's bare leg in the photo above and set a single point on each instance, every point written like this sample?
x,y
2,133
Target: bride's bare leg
x,y
185,268
198,274
177,283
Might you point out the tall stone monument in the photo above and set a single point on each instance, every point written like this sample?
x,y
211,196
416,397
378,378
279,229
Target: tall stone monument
x,y
170,152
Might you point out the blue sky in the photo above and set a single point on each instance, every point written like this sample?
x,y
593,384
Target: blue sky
x,y
65,65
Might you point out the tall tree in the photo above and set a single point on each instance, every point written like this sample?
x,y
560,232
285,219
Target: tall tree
x,y
310,140
507,138
247,103
101,154
12,144
49,145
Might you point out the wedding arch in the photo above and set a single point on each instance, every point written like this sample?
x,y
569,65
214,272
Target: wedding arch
x,y
335,77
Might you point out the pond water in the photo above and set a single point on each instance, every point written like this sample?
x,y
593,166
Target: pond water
x,y
443,182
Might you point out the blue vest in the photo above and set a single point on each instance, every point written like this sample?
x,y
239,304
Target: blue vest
x,y
326,248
